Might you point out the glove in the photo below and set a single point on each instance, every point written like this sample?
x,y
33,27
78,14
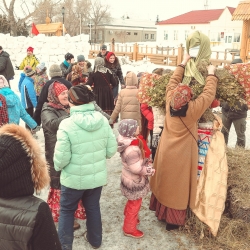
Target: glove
x,y
36,129
111,121
17,68
123,86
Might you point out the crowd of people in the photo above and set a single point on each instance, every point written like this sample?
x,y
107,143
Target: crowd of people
x,y
76,109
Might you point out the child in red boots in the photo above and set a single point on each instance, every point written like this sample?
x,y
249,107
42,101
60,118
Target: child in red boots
x,y
136,169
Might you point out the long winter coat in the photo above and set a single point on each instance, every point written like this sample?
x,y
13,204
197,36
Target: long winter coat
x,y
134,180
175,181
6,68
85,141
115,67
127,103
101,83
51,118
28,93
31,61
15,109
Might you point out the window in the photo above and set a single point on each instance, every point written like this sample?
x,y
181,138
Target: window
x,y
152,36
146,36
135,33
236,37
175,35
128,33
186,34
165,35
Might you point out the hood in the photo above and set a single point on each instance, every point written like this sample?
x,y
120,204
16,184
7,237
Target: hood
x,y
4,54
123,143
22,165
131,79
86,117
9,96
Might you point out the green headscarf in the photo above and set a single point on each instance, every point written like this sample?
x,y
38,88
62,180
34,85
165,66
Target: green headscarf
x,y
193,40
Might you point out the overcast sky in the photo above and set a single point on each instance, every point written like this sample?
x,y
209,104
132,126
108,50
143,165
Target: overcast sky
x,y
149,9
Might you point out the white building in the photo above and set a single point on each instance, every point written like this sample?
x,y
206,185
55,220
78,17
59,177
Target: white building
x,y
216,24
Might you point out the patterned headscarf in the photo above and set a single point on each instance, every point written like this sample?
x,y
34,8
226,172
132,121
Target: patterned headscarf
x,y
55,89
194,40
77,71
127,127
3,82
99,66
181,95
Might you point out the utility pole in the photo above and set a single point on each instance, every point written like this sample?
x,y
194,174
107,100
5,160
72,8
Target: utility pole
x,y
206,4
80,24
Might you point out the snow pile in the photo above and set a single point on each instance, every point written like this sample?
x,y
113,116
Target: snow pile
x,y
48,49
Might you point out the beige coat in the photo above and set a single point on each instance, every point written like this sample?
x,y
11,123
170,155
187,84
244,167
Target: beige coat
x,y
175,181
127,103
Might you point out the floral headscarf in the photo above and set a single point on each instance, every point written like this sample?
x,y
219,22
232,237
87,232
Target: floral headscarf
x,y
99,66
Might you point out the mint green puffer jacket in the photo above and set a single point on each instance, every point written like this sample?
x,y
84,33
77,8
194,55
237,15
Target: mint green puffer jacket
x,y
84,141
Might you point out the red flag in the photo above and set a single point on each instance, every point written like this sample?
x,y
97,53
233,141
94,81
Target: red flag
x,y
34,30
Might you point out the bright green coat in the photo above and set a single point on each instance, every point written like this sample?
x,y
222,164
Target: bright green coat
x,y
84,141
29,60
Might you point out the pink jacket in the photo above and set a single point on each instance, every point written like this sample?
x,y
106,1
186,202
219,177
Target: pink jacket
x,y
148,113
135,171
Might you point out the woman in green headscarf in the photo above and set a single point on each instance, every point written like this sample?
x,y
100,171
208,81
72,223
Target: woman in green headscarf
x,y
198,47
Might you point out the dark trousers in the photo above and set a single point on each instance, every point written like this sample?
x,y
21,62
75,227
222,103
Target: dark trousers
x,y
68,205
30,111
240,129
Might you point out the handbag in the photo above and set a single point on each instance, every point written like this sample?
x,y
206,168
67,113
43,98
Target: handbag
x,y
110,86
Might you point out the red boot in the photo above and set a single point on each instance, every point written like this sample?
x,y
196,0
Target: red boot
x,y
136,234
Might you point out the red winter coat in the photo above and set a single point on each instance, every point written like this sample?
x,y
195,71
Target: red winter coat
x,y
147,112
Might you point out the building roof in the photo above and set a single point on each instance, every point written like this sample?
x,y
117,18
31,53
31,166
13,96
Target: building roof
x,y
49,28
242,12
196,16
132,23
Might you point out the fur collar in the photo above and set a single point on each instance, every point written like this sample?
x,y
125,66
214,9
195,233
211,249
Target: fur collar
x,y
39,168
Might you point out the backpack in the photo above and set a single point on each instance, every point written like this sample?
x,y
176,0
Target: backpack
x,y
4,117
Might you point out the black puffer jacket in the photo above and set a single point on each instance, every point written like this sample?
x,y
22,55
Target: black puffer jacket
x,y
234,114
6,68
51,118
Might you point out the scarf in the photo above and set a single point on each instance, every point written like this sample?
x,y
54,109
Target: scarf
x,y
99,66
4,117
145,146
53,99
193,40
66,63
76,72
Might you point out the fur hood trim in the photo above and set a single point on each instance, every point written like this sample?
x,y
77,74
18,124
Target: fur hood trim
x,y
39,168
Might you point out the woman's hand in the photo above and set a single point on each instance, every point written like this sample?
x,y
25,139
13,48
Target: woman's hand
x,y
186,58
211,69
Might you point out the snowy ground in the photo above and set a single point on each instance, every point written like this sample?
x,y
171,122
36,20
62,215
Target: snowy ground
x,y
112,203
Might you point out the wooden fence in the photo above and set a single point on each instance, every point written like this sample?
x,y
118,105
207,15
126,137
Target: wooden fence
x,y
170,56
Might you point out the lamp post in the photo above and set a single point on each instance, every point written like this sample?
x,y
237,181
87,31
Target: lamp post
x,y
90,24
63,12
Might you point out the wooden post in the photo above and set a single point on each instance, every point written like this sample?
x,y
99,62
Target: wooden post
x,y
180,54
244,36
113,45
135,51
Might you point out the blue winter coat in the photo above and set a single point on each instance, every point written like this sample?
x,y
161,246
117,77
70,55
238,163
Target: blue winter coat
x,y
15,109
84,141
28,93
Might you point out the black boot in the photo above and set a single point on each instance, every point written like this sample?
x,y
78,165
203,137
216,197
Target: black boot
x,y
170,227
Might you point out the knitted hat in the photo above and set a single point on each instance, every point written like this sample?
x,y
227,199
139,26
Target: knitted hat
x,y
29,72
30,49
127,127
109,55
104,47
181,95
55,70
1,47
80,58
59,88
22,166
80,94
41,66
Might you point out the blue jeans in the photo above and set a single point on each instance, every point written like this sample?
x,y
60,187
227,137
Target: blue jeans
x,y
68,205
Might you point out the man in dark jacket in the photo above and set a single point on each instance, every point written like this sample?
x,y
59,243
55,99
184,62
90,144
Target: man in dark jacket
x,y
236,116
103,51
67,64
6,68
55,73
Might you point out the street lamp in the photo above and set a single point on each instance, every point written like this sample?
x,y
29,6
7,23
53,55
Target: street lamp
x,y
90,25
63,12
